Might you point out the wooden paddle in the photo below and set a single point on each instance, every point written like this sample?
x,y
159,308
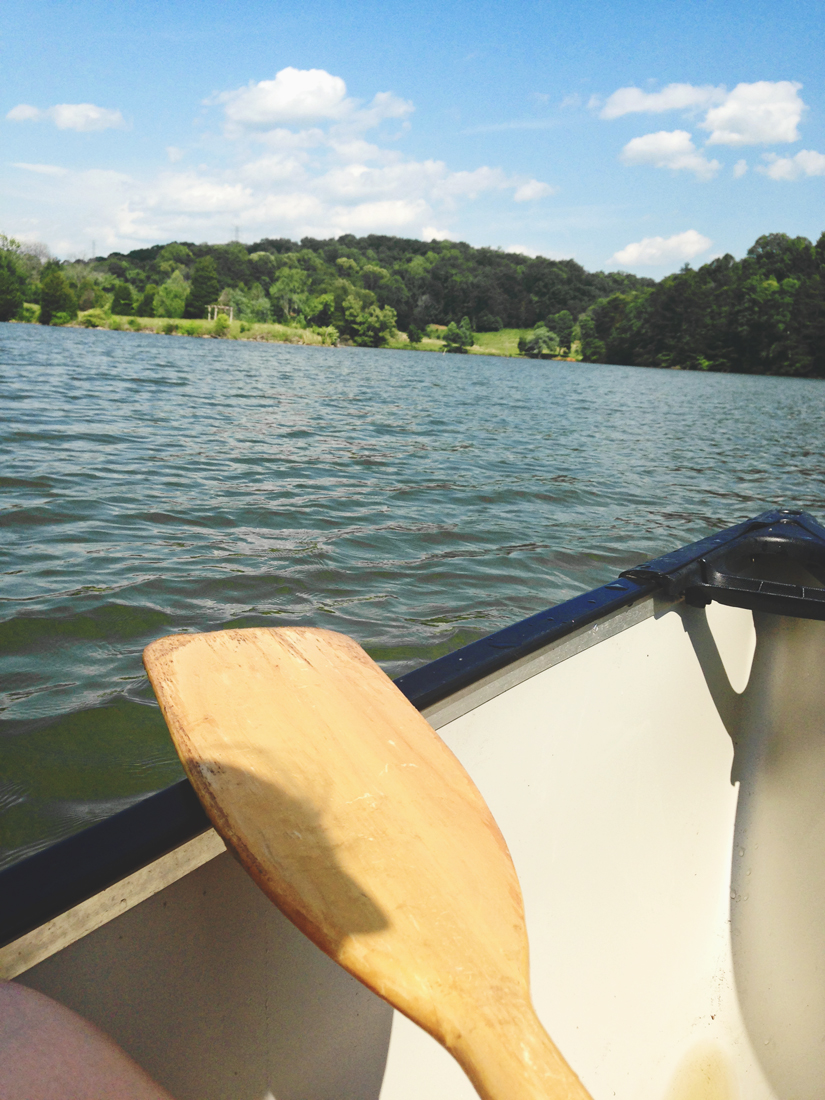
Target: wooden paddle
x,y
355,818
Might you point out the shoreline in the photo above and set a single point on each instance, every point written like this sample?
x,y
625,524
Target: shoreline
x,y
498,344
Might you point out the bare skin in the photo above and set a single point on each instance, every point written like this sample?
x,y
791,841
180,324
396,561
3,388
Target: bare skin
x,y
48,1052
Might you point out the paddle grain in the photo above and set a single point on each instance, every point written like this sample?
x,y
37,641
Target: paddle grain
x,y
355,818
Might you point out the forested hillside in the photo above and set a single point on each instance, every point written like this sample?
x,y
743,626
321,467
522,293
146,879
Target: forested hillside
x,y
281,280
764,314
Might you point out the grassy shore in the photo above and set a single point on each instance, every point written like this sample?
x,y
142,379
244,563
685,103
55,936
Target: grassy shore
x,y
503,343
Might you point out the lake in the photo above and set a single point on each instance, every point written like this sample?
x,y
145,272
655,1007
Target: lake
x,y
158,484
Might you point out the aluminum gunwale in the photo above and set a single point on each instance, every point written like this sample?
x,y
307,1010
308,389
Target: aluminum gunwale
x,y
44,885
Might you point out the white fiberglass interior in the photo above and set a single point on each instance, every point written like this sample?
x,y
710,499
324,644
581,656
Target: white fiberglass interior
x,y
662,796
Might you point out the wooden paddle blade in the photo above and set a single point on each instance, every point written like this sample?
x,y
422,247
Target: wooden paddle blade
x,y
355,818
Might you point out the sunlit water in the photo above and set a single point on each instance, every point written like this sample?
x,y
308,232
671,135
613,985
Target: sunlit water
x,y
157,484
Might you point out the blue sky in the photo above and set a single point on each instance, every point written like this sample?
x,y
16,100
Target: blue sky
x,y
626,135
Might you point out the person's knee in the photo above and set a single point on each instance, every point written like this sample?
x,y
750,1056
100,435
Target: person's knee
x,y
48,1052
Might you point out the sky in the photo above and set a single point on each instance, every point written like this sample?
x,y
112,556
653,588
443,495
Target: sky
x,y
637,136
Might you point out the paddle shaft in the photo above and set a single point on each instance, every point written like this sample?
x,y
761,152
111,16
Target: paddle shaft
x,y
515,1059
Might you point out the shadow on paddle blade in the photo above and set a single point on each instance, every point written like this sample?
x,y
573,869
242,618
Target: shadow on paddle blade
x,y
283,843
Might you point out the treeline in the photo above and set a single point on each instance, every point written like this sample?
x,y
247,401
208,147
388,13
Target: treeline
x,y
764,314
322,282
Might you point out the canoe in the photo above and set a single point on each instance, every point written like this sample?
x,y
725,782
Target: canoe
x,y
653,752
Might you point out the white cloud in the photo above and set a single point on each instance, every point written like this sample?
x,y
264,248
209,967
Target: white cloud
x,y
194,194
70,116
522,250
274,169
532,190
384,105
469,184
318,177
24,112
654,251
281,138
391,214
301,96
762,113
42,169
740,168
805,163
295,95
174,153
85,116
670,149
430,233
675,97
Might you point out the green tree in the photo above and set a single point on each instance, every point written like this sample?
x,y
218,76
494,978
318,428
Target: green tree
x,y
90,295
146,304
370,327
372,276
541,343
204,288
122,304
458,338
592,347
57,300
12,281
562,324
170,299
175,253
289,293
250,305
414,334
320,309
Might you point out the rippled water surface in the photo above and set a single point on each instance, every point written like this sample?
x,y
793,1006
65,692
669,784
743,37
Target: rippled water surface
x,y
155,484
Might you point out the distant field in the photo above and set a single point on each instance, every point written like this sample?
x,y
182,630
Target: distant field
x,y
504,342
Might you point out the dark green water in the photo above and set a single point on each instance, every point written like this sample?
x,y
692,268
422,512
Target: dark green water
x,y
152,485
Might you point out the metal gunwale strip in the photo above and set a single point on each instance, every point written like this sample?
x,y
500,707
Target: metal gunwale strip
x,y
525,668
72,925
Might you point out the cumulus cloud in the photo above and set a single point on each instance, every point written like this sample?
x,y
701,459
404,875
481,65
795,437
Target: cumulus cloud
x,y
532,190
740,168
430,233
70,116
670,149
295,95
805,163
302,96
24,112
298,161
764,113
655,251
675,97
